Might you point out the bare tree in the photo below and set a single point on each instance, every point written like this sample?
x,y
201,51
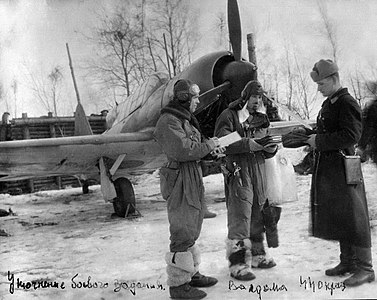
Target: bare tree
x,y
45,88
289,76
358,86
220,29
129,43
120,50
178,22
3,97
14,86
330,30
55,78
371,88
306,98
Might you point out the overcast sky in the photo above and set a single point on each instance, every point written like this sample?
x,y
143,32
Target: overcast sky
x,y
33,34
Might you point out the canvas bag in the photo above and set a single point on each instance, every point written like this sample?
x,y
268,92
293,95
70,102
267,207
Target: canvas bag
x,y
352,167
280,180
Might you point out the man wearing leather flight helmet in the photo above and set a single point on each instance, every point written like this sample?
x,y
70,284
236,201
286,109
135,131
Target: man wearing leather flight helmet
x,y
181,182
245,183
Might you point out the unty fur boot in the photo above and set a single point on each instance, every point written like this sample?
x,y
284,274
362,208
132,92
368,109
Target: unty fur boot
x,y
199,280
239,255
180,268
260,258
186,291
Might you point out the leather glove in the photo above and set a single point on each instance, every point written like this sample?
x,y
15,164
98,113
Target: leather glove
x,y
271,149
254,146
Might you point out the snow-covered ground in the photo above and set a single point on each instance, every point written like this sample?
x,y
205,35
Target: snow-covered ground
x,y
69,240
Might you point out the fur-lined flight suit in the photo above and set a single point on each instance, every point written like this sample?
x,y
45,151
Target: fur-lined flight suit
x,y
244,187
182,187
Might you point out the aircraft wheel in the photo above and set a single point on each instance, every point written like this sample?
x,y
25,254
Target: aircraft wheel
x,y
125,201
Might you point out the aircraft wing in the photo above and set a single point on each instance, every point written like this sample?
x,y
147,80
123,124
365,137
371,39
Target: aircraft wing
x,y
78,155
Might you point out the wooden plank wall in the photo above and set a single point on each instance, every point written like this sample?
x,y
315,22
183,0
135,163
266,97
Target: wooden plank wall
x,y
46,127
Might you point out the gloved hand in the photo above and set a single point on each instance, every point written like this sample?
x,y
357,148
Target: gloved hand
x,y
271,149
254,146
295,139
311,141
363,154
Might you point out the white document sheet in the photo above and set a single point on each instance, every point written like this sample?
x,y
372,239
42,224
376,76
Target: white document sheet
x,y
229,139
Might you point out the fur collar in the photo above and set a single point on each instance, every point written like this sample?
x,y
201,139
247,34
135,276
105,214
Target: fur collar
x,y
237,104
176,109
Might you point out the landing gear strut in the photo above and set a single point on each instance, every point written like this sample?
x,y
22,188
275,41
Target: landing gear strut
x,y
85,187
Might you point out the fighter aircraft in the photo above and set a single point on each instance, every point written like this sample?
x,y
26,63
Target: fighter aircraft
x,y
127,148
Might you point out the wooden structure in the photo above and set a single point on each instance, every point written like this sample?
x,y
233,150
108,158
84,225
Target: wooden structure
x,y
46,127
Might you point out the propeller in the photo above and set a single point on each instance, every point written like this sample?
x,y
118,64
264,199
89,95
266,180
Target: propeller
x,y
235,74
234,28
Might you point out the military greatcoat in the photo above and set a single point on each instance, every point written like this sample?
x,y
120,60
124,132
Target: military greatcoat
x,y
338,210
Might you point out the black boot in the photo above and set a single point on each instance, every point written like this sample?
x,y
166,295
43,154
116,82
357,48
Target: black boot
x,y
271,217
364,271
186,291
207,213
347,261
199,280
341,269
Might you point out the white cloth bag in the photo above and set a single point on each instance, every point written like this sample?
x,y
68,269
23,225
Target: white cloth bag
x,y
280,180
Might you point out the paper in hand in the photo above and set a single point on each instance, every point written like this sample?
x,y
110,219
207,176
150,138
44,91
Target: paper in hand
x,y
229,139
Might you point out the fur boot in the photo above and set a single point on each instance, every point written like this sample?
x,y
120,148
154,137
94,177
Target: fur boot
x,y
199,280
180,268
195,251
260,259
239,256
186,291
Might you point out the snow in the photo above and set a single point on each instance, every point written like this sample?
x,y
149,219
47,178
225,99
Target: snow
x,y
58,234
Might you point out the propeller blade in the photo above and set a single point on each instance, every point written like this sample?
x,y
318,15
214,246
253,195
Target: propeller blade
x,y
209,97
234,28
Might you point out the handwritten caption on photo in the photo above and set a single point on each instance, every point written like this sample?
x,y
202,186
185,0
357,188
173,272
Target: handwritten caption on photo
x,y
87,282
76,282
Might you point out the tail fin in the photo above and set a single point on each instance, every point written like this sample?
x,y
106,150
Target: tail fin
x,y
82,126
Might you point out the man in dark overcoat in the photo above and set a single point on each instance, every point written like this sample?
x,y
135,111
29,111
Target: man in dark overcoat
x,y
339,210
